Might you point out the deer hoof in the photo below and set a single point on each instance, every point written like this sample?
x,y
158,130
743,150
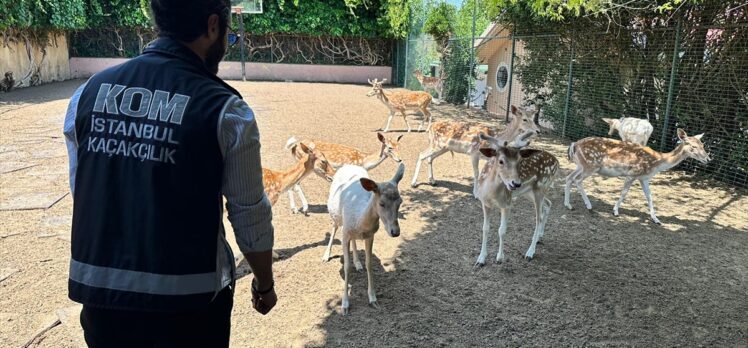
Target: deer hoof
x,y
374,304
432,182
528,258
359,268
479,264
344,311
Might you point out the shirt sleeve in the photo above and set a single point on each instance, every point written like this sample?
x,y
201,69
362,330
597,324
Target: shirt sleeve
x,y
249,209
71,141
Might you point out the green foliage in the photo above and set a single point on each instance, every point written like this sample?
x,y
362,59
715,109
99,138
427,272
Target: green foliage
x,y
439,21
351,18
623,68
557,10
464,23
456,69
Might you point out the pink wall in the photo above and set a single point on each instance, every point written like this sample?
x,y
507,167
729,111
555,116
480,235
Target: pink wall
x,y
85,67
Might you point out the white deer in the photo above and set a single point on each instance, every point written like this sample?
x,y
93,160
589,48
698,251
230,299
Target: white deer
x,y
614,158
339,155
512,173
401,101
635,130
356,205
462,137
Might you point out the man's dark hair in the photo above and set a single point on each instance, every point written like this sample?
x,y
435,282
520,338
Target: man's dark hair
x,y
186,20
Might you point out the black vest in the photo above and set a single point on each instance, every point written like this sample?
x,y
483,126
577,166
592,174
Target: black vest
x,y
147,215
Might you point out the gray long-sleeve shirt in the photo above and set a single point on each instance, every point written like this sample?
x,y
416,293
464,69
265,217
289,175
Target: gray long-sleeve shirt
x,y
249,210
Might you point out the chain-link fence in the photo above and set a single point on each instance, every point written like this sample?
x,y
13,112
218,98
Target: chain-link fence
x,y
690,77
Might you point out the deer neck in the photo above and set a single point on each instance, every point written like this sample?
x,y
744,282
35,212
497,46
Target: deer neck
x,y
670,159
374,159
370,217
383,97
511,129
292,176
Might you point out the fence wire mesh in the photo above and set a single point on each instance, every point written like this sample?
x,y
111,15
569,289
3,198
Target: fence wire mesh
x,y
690,77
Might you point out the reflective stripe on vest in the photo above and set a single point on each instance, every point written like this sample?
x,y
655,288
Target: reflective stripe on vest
x,y
142,282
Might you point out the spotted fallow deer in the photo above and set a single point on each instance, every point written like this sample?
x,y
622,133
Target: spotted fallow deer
x,y
512,173
277,182
614,158
462,137
635,130
428,82
338,155
401,101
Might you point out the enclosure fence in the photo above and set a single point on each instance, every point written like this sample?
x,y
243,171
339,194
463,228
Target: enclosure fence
x,y
690,77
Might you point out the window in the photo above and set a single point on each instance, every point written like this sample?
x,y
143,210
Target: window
x,y
502,77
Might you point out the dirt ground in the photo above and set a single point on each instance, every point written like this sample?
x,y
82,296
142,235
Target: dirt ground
x,y
597,280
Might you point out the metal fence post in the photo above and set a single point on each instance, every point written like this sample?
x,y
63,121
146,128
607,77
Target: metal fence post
x,y
405,64
568,88
511,78
472,59
671,87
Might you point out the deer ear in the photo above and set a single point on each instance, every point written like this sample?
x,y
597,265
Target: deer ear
x,y
514,110
369,185
399,174
699,136
305,148
380,137
400,137
488,152
608,120
682,134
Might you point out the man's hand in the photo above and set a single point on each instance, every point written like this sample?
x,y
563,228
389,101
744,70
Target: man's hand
x,y
263,300
263,290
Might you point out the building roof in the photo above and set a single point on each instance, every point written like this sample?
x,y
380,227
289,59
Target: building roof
x,y
494,32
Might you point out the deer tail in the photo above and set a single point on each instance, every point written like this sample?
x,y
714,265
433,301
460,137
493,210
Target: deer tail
x,y
570,152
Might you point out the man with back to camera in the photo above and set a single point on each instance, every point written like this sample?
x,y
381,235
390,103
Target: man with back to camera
x,y
154,144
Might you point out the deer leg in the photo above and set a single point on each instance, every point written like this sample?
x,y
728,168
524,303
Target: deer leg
x,y
294,210
648,195
429,154
546,212
567,188
578,180
326,256
626,187
502,231
432,157
389,120
356,261
345,304
427,112
484,243
304,203
368,243
405,118
538,202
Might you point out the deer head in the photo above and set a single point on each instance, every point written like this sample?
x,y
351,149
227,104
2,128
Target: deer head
x,y
316,161
376,87
613,123
693,147
387,200
528,119
390,147
507,164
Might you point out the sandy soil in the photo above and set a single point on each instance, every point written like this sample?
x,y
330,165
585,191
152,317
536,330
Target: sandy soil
x,y
597,280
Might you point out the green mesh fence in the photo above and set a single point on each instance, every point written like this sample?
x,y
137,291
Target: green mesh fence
x,y
682,76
